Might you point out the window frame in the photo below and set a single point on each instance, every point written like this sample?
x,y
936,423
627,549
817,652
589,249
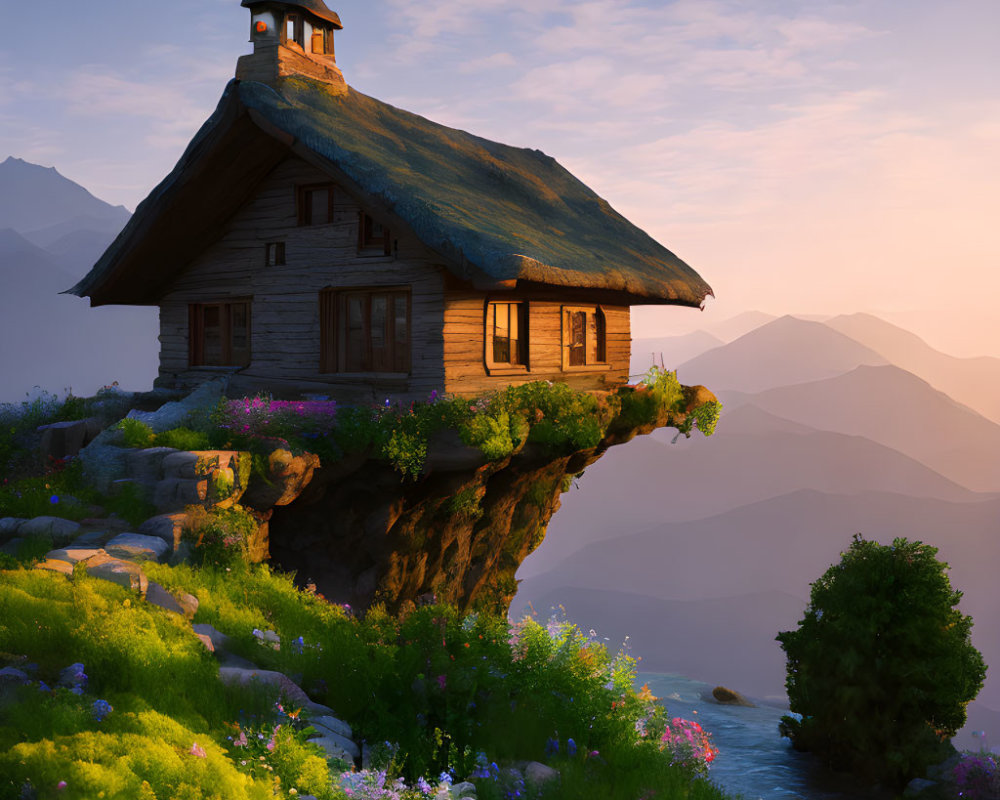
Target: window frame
x,y
335,335
274,254
298,23
303,203
522,310
228,357
367,242
595,331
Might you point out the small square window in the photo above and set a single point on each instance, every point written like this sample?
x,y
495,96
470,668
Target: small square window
x,y
274,254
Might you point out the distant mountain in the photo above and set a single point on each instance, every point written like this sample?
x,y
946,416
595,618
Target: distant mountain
x,y
34,198
740,325
753,456
786,351
782,545
972,381
669,351
899,410
47,339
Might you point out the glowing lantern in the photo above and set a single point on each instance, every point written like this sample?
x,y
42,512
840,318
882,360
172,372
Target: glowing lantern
x,y
261,27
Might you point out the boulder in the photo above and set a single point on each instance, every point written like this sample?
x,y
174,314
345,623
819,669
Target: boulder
x,y
918,786
104,461
124,573
333,725
173,494
54,565
177,413
137,547
332,749
60,531
286,477
62,439
536,773
158,596
9,526
728,697
332,742
12,676
189,604
12,546
168,527
463,789
288,689
73,553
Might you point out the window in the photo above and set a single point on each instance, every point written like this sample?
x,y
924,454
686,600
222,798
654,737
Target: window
x,y
315,204
584,335
219,334
372,234
274,254
319,41
507,335
365,331
295,30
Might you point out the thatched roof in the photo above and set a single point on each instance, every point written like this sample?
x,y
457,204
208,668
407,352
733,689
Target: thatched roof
x,y
315,7
502,213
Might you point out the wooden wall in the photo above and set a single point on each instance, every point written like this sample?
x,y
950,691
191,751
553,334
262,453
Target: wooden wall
x,y
466,371
285,355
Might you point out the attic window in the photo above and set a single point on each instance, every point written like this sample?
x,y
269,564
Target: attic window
x,y
219,334
365,331
584,338
274,254
373,234
315,204
507,336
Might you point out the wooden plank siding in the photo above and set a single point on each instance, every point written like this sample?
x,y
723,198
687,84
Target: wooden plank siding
x,y
285,345
447,317
466,372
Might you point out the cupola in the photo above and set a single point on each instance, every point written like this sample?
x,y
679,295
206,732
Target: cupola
x,y
290,38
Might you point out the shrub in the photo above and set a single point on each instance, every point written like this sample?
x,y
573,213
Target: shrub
x,y
136,433
881,666
222,537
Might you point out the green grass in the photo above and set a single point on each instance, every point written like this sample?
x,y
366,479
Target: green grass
x,y
444,687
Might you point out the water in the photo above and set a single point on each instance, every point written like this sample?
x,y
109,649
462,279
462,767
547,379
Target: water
x,y
754,760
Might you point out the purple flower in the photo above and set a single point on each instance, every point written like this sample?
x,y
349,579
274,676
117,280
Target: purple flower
x,y
570,748
54,499
442,681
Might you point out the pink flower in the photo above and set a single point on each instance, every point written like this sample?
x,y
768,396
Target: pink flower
x,y
197,750
442,681
61,785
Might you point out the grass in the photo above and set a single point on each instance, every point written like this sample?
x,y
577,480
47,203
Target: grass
x,y
447,689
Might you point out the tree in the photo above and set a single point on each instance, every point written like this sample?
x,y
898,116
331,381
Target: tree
x,y
881,667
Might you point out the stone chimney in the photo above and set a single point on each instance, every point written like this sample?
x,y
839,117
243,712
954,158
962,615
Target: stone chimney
x,y
291,38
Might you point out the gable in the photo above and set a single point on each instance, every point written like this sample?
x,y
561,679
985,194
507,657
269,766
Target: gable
x,y
495,214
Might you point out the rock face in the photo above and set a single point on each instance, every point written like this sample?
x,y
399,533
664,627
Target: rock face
x,y
362,535
728,697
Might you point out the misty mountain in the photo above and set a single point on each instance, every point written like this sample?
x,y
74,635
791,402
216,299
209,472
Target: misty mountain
x,y
786,351
733,328
782,545
753,456
48,339
669,351
899,410
33,198
972,381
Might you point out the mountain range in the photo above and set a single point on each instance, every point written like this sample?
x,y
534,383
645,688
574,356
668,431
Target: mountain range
x,y
702,549
52,230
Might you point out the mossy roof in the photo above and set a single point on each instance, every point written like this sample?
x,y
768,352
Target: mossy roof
x,y
512,214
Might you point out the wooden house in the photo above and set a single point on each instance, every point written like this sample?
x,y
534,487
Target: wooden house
x,y
315,240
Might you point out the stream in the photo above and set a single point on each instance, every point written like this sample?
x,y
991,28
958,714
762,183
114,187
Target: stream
x,y
754,760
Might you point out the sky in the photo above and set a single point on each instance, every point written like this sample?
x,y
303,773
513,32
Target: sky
x,y
804,157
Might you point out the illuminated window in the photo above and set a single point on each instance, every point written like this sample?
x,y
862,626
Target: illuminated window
x,y
507,334
584,337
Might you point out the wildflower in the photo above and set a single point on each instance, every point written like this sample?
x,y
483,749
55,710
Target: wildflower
x,y
570,748
61,785
445,778
100,709
54,499
442,681
197,751
242,740
551,747
423,786
298,645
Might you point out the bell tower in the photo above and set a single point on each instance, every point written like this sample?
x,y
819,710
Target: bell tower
x,y
289,39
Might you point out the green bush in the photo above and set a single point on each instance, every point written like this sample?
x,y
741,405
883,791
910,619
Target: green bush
x,y
881,666
183,439
136,433
221,537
